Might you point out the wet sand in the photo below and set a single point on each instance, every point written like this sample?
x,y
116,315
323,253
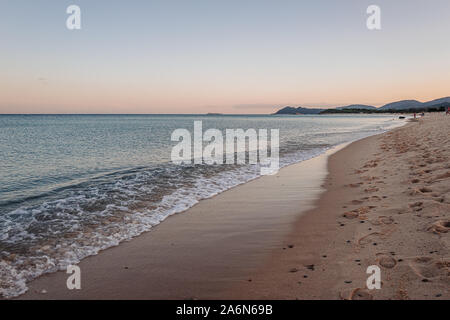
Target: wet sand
x,y
385,201
202,253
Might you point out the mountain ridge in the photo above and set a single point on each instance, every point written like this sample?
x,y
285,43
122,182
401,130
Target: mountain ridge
x,y
392,106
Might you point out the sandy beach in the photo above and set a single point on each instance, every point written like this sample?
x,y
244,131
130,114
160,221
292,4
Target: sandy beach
x,y
309,232
387,204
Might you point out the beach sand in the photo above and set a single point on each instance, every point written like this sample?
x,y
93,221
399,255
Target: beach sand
x,y
387,204
384,200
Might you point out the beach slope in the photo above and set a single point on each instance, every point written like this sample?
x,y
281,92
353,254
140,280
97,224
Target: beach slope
x,y
387,204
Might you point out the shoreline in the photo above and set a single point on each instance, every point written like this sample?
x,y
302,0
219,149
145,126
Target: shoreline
x,y
386,204
291,270
256,261
113,273
115,208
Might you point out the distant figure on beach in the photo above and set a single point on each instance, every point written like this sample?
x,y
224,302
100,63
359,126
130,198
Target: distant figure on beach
x,y
448,111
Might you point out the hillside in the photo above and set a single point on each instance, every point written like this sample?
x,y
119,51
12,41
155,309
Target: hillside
x,y
398,106
357,107
299,110
402,105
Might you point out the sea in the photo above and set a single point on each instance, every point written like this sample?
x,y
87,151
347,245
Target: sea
x,y
73,185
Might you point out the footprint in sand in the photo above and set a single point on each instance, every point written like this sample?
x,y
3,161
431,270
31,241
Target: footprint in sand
x,y
350,215
439,199
371,164
369,238
429,268
417,204
371,189
386,261
360,212
425,190
384,220
443,176
440,226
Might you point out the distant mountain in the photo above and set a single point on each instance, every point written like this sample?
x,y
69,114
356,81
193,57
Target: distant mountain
x,y
299,110
357,107
309,110
414,104
402,105
287,110
436,102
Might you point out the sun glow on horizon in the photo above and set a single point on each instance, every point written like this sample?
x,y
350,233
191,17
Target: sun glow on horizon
x,y
222,57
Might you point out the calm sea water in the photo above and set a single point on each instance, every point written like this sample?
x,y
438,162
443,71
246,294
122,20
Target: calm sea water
x,y
72,185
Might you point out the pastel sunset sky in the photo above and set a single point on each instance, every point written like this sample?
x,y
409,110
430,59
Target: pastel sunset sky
x,y
229,56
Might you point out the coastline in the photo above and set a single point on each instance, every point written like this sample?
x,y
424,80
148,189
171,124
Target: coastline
x,y
243,252
203,252
104,207
318,240
386,204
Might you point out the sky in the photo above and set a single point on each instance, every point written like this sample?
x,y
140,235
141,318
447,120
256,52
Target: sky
x,y
227,56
